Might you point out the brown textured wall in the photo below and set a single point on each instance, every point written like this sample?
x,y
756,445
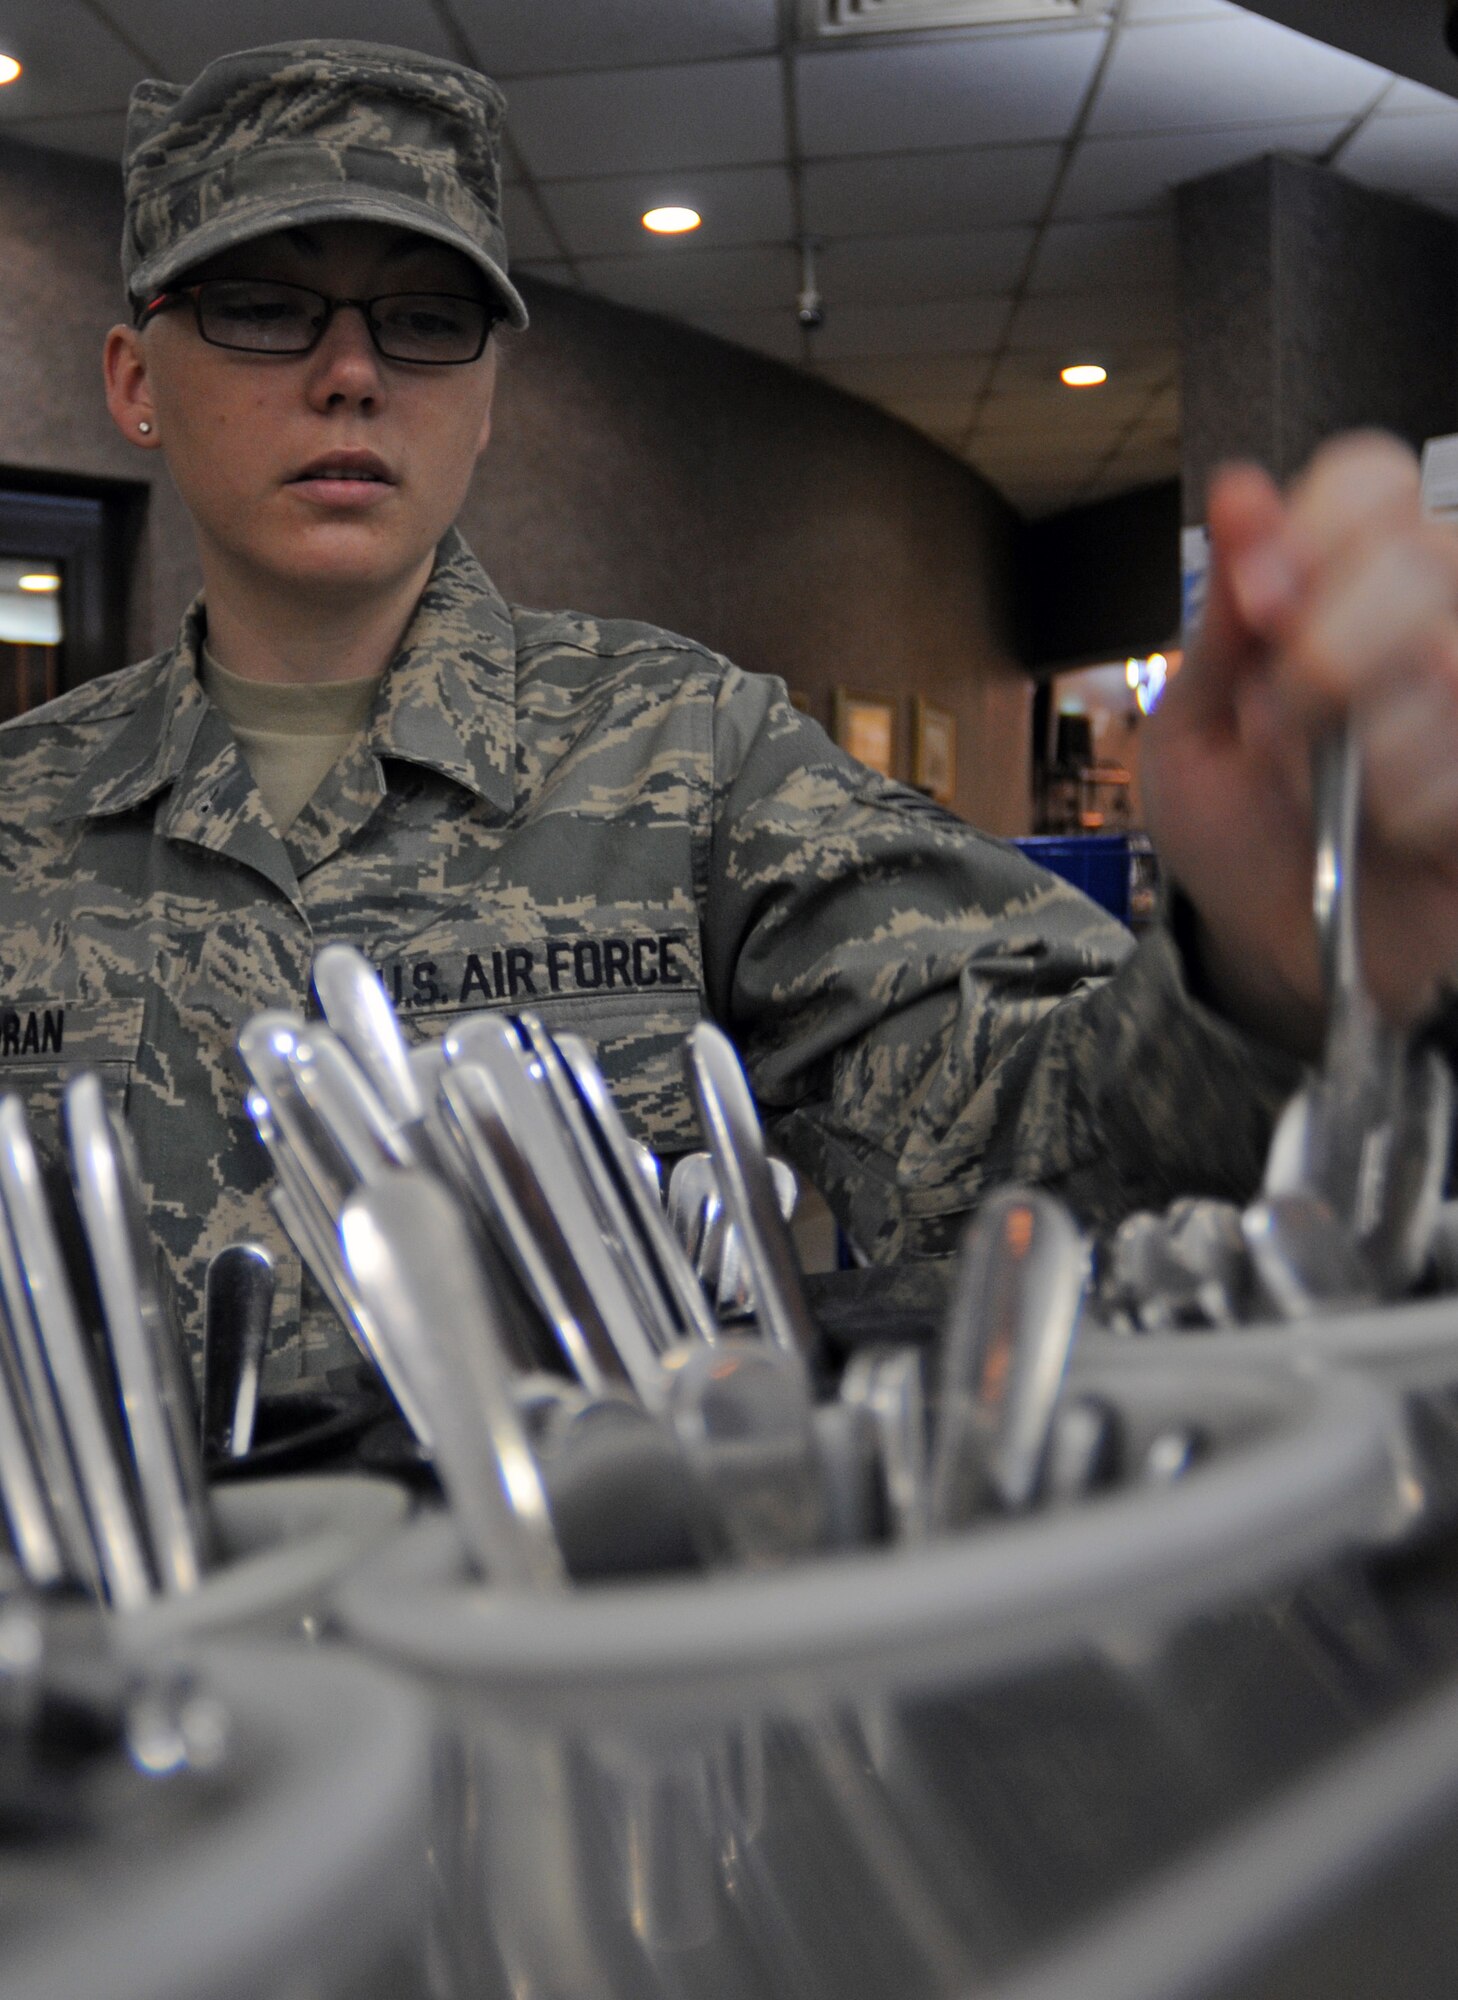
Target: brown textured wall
x,y
1310,305
637,469
60,234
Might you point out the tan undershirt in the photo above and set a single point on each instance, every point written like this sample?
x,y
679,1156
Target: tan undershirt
x,y
291,736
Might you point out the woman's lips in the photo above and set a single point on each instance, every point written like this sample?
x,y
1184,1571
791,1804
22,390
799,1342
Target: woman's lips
x,y
339,489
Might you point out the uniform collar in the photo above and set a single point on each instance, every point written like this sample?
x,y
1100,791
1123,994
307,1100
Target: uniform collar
x,y
448,701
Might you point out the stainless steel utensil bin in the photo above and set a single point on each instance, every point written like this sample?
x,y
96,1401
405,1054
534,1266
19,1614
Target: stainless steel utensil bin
x,y
697,1787
286,1545
289,1870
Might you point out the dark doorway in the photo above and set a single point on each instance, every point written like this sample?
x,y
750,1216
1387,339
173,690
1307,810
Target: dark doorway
x,y
65,561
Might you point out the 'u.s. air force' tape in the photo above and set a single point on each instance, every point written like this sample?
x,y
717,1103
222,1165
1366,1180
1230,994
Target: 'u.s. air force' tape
x,y
626,964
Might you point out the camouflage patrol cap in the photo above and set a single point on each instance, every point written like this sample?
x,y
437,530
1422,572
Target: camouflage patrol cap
x,y
315,131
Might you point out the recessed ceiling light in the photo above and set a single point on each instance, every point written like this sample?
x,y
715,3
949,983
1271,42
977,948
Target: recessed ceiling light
x,y
9,69
1084,375
40,580
671,221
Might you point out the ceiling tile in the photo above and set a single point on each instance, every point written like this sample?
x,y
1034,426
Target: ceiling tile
x,y
936,416
186,37
602,218
528,238
612,34
71,64
771,333
981,90
1094,256
968,326
984,188
1090,320
1123,176
1057,411
676,280
869,268
549,271
1409,154
1206,73
928,377
628,120
100,137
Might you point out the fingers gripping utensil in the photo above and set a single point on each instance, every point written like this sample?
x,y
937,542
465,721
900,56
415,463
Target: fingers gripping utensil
x,y
357,1008
115,1530
239,1307
410,1254
152,1372
1015,1312
1370,1135
731,1126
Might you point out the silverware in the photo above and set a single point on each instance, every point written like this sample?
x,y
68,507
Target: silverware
x,y
545,1206
889,1383
411,1256
152,1374
1080,1446
1370,1135
239,1307
33,1533
1015,1313
691,1312
115,1530
743,1416
1305,1261
40,1414
357,1008
731,1127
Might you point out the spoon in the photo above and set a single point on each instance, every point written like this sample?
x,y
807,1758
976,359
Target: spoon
x,y
239,1306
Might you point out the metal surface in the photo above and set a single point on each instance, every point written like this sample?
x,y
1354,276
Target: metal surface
x,y
667,1253
239,1306
115,1530
358,1010
411,1256
743,1415
1015,1312
156,1403
546,1205
731,1127
889,1383
1304,1260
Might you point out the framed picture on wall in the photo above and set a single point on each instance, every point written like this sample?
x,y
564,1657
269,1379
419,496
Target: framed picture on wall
x,y
865,725
934,750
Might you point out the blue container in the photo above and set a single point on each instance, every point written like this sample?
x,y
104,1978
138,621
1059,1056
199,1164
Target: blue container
x,y
1097,863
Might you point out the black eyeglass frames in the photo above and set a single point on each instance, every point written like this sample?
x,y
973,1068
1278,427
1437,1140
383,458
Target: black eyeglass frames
x,y
256,316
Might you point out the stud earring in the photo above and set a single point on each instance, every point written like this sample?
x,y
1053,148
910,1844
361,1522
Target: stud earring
x,y
145,429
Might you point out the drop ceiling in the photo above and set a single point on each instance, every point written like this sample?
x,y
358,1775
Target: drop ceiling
x,y
988,203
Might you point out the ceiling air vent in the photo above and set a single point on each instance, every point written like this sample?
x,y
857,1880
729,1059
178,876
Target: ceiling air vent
x,y
826,18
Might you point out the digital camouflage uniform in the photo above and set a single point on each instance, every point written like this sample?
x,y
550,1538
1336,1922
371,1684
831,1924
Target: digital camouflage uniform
x,y
625,832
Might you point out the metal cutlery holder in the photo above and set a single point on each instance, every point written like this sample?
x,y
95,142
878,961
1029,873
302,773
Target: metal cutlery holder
x,y
284,1863
285,1546
715,1787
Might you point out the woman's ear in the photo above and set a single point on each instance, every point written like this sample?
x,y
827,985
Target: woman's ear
x,y
129,388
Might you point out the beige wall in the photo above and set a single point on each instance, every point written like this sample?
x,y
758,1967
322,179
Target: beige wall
x,y
637,469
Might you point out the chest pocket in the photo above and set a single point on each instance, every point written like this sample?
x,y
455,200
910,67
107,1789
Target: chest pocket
x,y
638,1043
43,1045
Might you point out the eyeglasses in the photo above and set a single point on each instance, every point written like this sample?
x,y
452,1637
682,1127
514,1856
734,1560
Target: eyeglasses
x,y
435,329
